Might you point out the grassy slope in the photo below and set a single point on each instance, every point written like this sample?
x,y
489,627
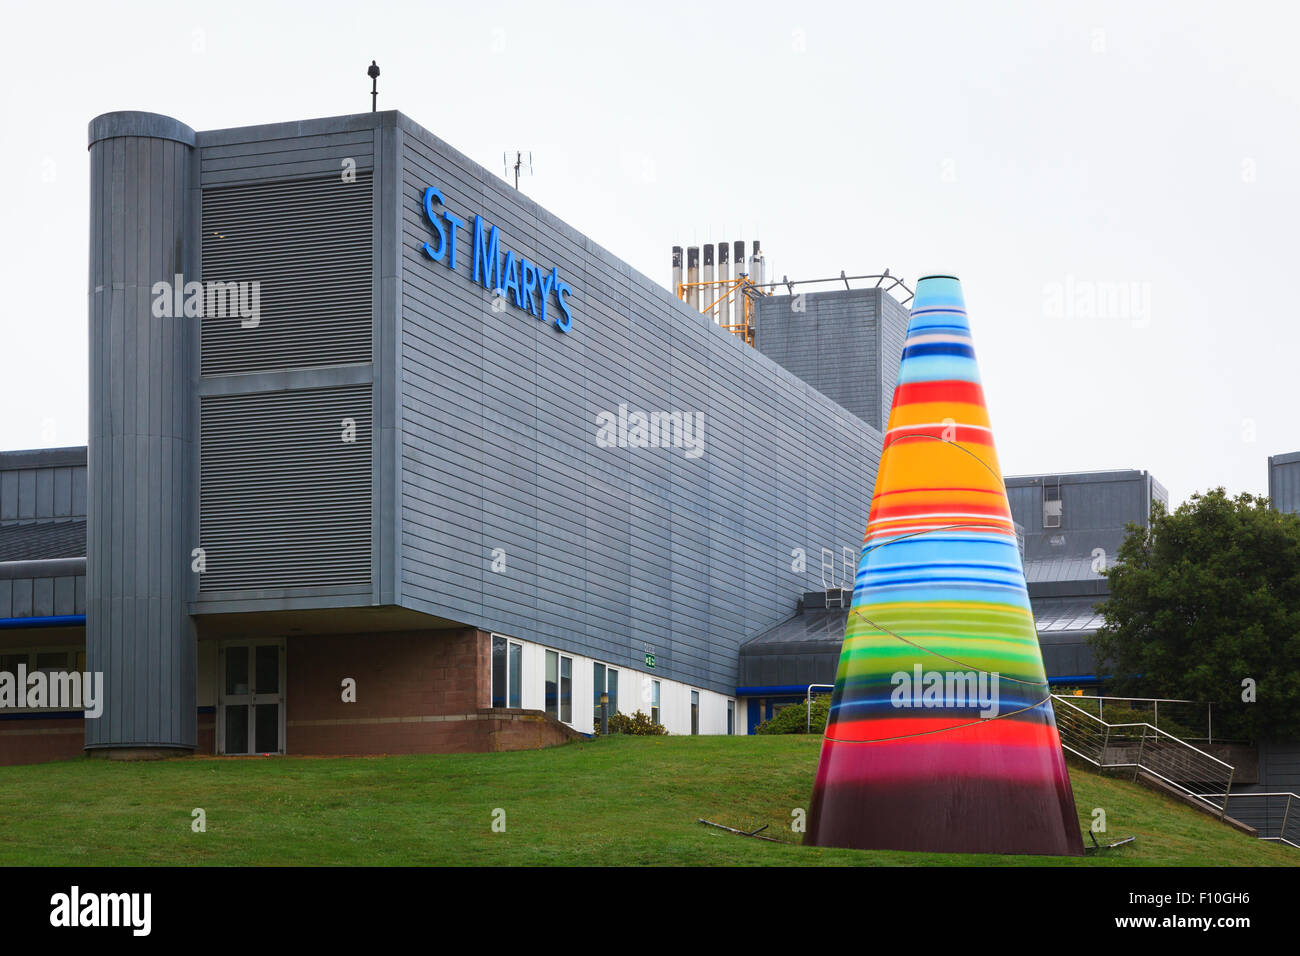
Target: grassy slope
x,y
618,801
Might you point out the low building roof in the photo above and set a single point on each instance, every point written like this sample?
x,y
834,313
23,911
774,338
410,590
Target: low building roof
x,y
40,540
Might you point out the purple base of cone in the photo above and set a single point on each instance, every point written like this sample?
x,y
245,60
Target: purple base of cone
x,y
950,816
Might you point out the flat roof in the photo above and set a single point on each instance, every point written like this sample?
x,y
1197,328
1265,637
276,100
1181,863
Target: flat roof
x,y
1075,477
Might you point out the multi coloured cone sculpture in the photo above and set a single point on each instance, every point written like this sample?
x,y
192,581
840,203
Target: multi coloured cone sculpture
x,y
941,734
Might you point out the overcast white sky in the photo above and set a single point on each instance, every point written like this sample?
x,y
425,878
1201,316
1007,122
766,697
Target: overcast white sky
x,y
1045,153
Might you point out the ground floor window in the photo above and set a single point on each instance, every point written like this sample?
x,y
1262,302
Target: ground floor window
x,y
731,717
695,711
654,702
46,660
603,680
559,686
507,672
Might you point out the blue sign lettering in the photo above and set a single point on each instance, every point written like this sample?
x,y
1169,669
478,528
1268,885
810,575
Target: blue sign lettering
x,y
527,285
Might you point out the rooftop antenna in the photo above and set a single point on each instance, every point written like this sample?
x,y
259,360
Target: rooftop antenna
x,y
519,165
373,73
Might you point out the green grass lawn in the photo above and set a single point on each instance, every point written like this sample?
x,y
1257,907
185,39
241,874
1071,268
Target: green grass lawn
x,y
619,801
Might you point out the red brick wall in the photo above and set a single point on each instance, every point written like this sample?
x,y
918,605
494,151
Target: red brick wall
x,y
207,734
35,741
416,692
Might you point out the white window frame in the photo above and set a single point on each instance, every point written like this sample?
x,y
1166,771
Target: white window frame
x,y
560,658
596,691
1052,516
492,670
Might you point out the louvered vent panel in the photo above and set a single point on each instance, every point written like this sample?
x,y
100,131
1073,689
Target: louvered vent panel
x,y
284,500
308,243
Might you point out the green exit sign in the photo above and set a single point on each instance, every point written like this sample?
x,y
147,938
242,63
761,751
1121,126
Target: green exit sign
x,y
649,660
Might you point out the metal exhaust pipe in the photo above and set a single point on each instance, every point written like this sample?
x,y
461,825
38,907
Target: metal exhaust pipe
x,y
708,294
724,279
693,276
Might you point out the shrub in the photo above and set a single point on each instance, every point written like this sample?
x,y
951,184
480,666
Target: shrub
x,y
793,719
637,725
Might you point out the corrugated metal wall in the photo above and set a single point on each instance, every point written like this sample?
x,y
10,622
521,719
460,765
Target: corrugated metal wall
x,y
1284,482
308,245
143,230
52,588
43,532
1279,766
847,343
282,151
1094,510
284,499
43,492
285,502
607,550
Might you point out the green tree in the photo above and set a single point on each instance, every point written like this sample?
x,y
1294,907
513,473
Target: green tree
x,y
1206,598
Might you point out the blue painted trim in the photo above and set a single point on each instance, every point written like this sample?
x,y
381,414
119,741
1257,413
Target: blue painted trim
x,y
1077,678
775,689
61,620
68,714
46,715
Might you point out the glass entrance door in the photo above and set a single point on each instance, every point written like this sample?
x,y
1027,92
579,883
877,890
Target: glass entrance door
x,y
251,708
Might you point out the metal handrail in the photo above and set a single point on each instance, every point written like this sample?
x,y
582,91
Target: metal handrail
x,y
1286,814
1177,740
1073,736
809,701
1149,700
894,283
1155,702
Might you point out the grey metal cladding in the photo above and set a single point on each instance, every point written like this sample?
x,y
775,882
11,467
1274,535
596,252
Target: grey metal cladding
x,y
308,243
285,151
284,499
41,493
54,588
894,319
846,343
1284,482
141,433
606,550
1095,506
1279,768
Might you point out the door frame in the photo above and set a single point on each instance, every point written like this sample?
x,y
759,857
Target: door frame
x,y
250,644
